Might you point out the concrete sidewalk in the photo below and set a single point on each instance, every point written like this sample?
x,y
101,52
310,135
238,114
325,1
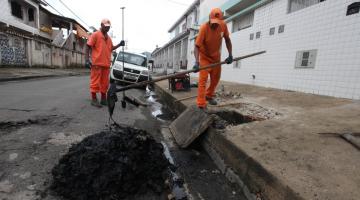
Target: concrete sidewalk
x,y
15,73
284,154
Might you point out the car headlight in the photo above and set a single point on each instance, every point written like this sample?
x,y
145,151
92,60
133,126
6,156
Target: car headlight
x,y
118,67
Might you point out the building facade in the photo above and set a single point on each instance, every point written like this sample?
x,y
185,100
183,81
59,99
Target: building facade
x,y
312,46
30,35
176,54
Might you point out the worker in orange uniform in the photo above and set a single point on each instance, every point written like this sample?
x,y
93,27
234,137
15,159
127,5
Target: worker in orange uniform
x,y
98,58
208,51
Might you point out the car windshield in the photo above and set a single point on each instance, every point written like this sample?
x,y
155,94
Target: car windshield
x,y
132,59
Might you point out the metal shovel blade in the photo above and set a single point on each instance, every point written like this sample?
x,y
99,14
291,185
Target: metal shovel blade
x,y
111,98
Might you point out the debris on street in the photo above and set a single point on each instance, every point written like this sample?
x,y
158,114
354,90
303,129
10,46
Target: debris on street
x,y
226,95
114,164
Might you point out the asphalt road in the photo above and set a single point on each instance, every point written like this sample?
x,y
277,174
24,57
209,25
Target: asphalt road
x,y
40,119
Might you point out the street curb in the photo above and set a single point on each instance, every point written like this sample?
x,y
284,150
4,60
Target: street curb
x,y
256,182
36,76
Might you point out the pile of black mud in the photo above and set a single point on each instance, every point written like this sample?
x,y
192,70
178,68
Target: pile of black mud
x,y
117,164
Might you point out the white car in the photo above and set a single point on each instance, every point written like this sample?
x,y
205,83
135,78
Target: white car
x,y
135,68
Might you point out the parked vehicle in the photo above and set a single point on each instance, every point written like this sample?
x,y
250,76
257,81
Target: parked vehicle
x,y
135,68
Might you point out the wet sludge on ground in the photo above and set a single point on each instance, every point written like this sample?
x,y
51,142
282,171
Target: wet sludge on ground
x,y
119,164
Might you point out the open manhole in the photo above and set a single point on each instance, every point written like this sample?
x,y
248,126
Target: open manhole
x,y
224,118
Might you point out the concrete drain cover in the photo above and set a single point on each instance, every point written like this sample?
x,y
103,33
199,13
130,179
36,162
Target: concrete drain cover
x,y
190,125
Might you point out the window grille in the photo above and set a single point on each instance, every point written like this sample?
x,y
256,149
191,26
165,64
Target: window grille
x,y
272,31
305,59
16,9
295,5
243,22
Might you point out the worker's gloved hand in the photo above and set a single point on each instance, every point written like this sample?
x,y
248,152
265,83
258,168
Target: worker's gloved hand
x,y
88,63
196,66
122,43
229,59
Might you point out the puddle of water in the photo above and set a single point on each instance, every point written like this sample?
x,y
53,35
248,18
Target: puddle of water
x,y
167,153
176,183
157,109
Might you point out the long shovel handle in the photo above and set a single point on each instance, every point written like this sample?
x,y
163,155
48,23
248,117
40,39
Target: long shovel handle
x,y
144,83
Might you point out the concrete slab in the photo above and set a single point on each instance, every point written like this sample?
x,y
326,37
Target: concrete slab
x,y
190,125
284,156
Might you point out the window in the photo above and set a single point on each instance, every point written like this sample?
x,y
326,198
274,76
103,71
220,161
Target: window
x,y
183,27
177,30
251,36
295,5
243,22
281,29
305,59
272,31
196,16
353,8
189,21
258,34
184,49
31,15
16,9
132,59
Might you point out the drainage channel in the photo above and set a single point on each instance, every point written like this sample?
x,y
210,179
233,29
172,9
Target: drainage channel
x,y
195,176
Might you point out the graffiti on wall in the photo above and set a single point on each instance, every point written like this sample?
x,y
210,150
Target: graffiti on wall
x,y
12,54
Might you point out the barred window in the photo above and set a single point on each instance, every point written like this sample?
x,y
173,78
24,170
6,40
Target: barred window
x,y
258,34
272,31
31,14
243,22
281,28
295,5
16,10
306,59
251,36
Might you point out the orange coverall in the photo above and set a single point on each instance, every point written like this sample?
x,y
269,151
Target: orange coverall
x,y
209,43
101,48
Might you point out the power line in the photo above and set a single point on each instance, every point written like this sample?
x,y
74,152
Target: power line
x,y
53,8
176,2
73,13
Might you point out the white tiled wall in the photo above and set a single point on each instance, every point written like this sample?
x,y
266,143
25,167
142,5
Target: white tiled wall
x,y
323,26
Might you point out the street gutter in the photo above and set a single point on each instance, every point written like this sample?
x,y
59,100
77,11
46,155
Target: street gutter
x,y
255,181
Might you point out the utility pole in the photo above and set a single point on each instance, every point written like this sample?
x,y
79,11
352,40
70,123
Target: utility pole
x,y
122,37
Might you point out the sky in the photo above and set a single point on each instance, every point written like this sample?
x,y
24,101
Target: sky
x,y
146,21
